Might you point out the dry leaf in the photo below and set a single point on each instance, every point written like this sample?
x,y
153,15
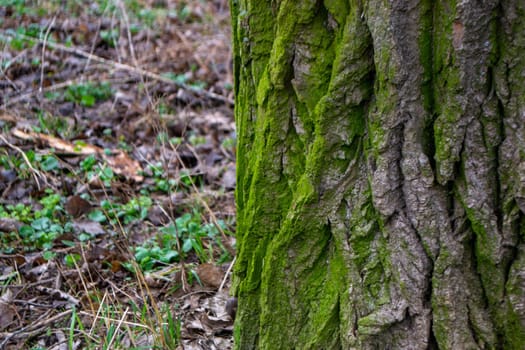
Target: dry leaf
x,y
123,165
76,206
210,275
7,309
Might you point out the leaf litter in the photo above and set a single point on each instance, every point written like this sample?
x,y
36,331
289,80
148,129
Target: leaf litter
x,y
117,133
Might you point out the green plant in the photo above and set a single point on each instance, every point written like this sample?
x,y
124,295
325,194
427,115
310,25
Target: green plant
x,y
19,212
88,94
171,329
95,170
229,143
10,162
186,235
40,228
45,162
19,6
53,125
72,259
196,140
123,144
187,180
88,163
198,85
110,37
183,79
135,209
21,37
51,205
49,163
41,233
178,78
163,182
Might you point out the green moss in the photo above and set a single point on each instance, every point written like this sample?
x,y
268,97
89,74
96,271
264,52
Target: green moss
x,y
263,88
447,89
338,9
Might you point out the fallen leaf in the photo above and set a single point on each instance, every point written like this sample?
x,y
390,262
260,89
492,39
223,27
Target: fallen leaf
x,y
210,275
90,227
7,309
76,206
123,165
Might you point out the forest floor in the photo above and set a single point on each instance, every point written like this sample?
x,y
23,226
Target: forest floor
x,y
117,171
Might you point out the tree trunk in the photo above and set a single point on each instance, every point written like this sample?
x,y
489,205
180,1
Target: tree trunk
x,y
381,174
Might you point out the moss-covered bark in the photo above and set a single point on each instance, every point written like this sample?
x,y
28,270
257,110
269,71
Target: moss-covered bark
x,y
381,174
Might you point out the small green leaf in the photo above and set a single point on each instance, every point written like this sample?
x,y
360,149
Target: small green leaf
x,y
68,243
188,245
26,231
83,237
41,224
97,216
48,255
71,259
87,100
49,163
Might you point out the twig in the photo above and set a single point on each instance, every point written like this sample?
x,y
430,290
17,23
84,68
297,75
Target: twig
x,y
44,42
33,328
36,174
132,50
57,292
126,67
226,274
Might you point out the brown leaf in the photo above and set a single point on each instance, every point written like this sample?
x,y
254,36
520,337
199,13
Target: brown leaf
x,y
216,324
210,275
76,206
91,227
123,165
116,265
7,309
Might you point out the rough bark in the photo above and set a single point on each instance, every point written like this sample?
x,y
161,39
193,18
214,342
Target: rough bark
x,y
381,174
